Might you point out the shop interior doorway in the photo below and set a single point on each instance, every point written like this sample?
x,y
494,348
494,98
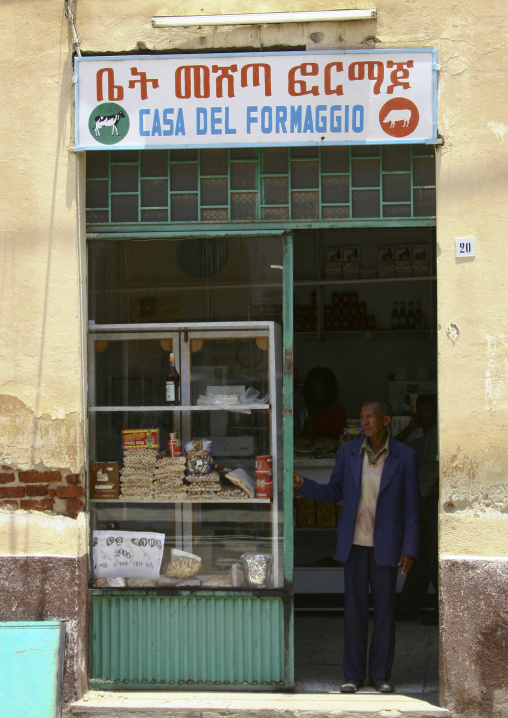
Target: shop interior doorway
x,y
364,309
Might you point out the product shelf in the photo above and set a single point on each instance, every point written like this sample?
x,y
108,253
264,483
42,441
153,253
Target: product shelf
x,y
212,407
180,501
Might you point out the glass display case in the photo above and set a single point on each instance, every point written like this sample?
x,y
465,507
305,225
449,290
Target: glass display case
x,y
217,514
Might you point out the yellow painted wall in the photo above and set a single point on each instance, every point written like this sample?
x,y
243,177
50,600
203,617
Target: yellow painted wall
x,y
42,247
41,365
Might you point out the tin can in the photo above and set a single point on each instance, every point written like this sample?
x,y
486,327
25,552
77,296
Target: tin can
x,y
263,466
175,447
264,487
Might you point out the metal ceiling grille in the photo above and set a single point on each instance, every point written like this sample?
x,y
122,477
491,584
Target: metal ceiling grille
x,y
331,184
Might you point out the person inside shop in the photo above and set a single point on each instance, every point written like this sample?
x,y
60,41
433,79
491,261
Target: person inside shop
x,y
326,416
425,571
376,479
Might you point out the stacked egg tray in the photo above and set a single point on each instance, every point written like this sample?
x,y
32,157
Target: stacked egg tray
x,y
144,476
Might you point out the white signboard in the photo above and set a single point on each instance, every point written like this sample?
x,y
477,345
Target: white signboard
x,y
251,99
127,554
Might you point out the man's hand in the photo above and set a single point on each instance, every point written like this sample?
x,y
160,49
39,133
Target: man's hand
x,y
406,562
297,481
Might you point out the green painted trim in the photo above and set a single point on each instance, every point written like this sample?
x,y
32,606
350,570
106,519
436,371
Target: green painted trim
x,y
288,442
155,231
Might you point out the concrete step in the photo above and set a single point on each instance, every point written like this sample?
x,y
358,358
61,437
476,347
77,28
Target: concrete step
x,y
365,703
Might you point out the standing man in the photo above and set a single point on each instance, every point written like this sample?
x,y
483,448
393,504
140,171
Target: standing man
x,y
376,479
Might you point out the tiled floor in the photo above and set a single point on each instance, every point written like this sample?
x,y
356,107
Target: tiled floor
x,y
318,656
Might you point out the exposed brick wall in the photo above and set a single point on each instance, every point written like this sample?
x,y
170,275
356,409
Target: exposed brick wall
x,y
33,490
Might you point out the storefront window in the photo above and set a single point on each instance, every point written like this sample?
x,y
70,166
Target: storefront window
x,y
189,477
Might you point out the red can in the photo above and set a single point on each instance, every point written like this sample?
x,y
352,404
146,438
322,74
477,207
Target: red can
x,y
264,487
175,447
263,466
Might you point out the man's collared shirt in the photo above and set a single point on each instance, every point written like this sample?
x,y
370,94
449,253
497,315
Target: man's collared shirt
x,y
372,468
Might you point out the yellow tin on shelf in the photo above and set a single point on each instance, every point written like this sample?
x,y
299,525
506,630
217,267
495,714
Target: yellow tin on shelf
x,y
305,512
326,516
140,438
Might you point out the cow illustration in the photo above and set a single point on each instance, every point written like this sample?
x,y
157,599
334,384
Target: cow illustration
x,y
394,116
108,121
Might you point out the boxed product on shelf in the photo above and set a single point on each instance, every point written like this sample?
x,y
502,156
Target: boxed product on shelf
x,y
333,262
386,254
325,515
305,512
104,480
386,261
140,438
403,260
402,253
334,255
351,265
351,255
333,271
420,260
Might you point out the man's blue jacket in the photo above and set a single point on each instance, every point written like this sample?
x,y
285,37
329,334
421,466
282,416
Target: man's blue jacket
x,y
396,523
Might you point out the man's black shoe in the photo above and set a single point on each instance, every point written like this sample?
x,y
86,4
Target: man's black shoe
x,y
351,686
383,685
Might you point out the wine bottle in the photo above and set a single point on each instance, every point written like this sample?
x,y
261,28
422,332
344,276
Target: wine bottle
x,y
411,316
172,383
418,316
395,315
402,316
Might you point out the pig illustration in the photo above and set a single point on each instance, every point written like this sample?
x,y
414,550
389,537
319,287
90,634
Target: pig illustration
x,y
398,116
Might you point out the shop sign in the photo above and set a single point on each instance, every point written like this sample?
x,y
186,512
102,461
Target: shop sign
x,y
127,554
177,101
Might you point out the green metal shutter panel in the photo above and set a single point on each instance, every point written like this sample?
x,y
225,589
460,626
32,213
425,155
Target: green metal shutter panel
x,y
149,641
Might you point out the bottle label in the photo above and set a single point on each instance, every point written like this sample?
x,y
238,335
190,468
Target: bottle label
x,y
170,391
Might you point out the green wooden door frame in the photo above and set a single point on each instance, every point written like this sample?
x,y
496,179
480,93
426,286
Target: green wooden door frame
x,y
287,419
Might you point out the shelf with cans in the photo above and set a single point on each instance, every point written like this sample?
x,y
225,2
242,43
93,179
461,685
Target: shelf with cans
x,y
366,290
346,312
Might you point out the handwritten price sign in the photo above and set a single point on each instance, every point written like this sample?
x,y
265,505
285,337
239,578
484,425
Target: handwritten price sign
x,y
129,554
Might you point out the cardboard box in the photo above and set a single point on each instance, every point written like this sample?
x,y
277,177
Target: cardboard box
x,y
402,253
386,254
325,515
420,251
305,513
140,439
351,254
334,254
104,480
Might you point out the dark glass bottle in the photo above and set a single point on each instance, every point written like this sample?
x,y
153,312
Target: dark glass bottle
x,y
402,316
172,383
411,316
395,315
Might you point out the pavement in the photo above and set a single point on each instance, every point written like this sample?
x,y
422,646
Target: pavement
x,y
318,675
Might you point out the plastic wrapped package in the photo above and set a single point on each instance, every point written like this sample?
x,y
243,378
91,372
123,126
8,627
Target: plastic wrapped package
x,y
182,564
198,456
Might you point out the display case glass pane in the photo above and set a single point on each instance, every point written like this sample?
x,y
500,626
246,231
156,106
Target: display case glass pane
x,y
194,279
231,545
